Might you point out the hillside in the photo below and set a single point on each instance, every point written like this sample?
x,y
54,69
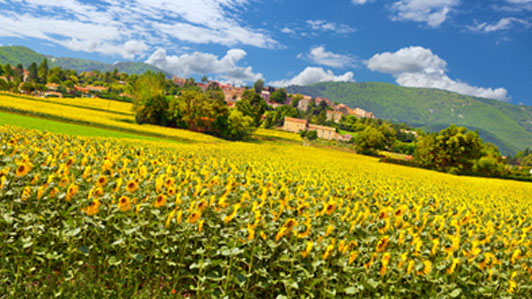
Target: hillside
x,y
508,126
19,54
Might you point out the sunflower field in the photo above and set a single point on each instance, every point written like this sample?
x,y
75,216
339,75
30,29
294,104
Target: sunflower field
x,y
86,217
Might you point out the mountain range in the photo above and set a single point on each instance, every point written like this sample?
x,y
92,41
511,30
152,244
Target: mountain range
x,y
26,56
508,126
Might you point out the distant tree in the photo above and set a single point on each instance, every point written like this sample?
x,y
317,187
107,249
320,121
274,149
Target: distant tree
x,y
204,79
19,72
149,101
33,73
43,71
258,86
454,149
310,135
279,96
389,134
239,126
8,70
526,161
370,140
27,87
252,105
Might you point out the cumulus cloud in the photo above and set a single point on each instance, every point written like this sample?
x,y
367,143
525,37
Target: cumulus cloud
x,y
431,12
502,24
419,67
312,75
322,25
204,64
130,28
319,55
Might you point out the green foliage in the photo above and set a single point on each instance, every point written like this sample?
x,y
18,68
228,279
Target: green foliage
x,y
258,86
370,140
276,117
18,54
459,150
505,124
310,135
279,96
252,105
150,104
240,126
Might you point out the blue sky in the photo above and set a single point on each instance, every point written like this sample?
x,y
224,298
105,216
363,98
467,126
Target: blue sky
x,y
480,48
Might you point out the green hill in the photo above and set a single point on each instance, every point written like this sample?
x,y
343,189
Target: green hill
x,y
26,56
507,125
18,54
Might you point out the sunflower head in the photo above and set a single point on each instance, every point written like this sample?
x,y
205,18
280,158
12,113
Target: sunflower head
x,y
124,203
160,200
22,169
102,181
132,186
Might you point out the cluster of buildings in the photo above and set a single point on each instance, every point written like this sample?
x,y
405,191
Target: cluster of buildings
x,y
296,125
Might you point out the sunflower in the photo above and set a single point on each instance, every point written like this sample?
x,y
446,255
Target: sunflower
x,y
230,217
71,191
381,245
308,248
70,162
171,191
329,249
194,216
23,169
26,193
132,186
200,225
102,181
352,256
92,209
427,266
453,266
160,200
385,261
329,208
124,203
64,181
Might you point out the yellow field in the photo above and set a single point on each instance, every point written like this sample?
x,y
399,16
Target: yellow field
x,y
241,219
56,109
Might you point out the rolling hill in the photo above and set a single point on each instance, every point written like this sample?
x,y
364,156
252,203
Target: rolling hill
x,y
507,125
19,54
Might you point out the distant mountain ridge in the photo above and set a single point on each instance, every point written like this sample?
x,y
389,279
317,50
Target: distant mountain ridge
x,y
26,56
507,125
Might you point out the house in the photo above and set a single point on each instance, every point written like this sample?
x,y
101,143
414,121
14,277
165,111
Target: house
x,y
82,89
345,137
304,103
326,100
97,88
294,125
265,95
203,86
360,113
179,81
324,132
335,116
125,95
52,86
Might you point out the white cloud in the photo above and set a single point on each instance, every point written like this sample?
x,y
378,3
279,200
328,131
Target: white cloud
x,y
502,24
311,75
419,67
205,63
319,55
431,12
287,30
361,2
322,25
130,28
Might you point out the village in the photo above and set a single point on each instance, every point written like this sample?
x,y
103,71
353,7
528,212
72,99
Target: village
x,y
114,86
295,125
